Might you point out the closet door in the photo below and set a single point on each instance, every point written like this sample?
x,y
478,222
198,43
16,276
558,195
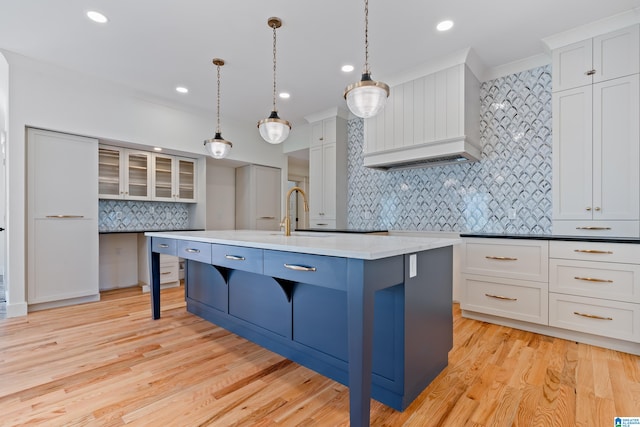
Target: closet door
x,y
62,246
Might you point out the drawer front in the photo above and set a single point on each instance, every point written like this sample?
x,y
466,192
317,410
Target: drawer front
x,y
515,299
597,228
517,259
197,251
620,282
320,270
168,273
164,246
168,259
237,257
595,316
596,251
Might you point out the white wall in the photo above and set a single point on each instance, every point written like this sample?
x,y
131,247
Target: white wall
x,y
221,196
4,118
46,96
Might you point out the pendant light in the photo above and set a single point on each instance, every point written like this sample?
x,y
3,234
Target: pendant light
x,y
273,129
217,146
367,97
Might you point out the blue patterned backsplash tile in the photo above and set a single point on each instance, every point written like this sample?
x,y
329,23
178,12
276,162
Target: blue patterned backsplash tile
x,y
507,191
129,215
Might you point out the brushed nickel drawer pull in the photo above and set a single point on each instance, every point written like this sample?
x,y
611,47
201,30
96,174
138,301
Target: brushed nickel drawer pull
x,y
234,257
590,227
192,251
299,267
163,245
65,216
501,297
501,258
591,279
592,251
592,316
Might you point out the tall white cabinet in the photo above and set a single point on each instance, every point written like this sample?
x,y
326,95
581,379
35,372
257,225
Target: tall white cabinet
x,y
258,197
328,170
62,219
596,136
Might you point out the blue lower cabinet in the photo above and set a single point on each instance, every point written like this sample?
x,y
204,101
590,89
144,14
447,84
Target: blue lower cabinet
x,y
206,284
320,319
260,300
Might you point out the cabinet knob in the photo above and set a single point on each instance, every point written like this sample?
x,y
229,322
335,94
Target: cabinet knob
x,y
321,138
597,209
588,208
590,72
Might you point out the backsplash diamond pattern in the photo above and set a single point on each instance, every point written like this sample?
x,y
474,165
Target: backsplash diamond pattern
x,y
514,173
128,215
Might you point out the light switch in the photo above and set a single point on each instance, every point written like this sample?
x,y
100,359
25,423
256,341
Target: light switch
x,y
413,265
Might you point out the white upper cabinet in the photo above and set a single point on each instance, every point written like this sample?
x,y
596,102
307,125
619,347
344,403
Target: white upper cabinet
x,y
596,140
328,173
606,57
124,173
173,178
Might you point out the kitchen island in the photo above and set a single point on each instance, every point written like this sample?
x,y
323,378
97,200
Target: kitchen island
x,y
371,312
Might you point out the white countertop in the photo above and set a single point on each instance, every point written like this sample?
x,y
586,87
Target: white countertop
x,y
347,245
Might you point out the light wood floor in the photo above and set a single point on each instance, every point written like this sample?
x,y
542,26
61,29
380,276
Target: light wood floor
x,y
109,364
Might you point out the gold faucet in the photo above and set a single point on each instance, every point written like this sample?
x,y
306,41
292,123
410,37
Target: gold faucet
x,y
286,221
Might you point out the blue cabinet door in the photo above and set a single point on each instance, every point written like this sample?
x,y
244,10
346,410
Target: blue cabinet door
x,y
261,301
320,322
206,284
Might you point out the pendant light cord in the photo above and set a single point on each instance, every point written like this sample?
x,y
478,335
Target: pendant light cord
x,y
218,109
366,36
274,66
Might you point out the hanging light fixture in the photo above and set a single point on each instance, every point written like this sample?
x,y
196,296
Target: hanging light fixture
x,y
273,129
367,97
217,146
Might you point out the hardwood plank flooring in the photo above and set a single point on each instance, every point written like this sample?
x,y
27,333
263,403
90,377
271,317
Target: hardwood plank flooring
x,y
108,364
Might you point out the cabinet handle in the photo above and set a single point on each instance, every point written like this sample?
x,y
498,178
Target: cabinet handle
x,y
234,257
592,251
592,316
267,217
590,72
299,267
591,279
321,138
192,251
593,228
501,297
165,272
501,258
322,223
163,245
65,216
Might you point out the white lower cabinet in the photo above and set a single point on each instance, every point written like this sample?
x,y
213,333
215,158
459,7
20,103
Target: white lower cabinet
x,y
591,293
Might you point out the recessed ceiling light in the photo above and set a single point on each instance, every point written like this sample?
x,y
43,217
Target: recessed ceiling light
x,y
157,149
445,25
182,89
97,17
347,68
285,95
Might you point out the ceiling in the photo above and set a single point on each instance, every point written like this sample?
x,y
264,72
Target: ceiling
x,y
155,45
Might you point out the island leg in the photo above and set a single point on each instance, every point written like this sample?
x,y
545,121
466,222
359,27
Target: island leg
x,y
360,301
154,278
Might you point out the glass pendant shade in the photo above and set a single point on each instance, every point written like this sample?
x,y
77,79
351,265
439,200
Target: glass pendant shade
x,y
273,129
367,97
218,147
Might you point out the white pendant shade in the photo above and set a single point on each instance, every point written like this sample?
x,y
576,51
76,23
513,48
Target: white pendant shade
x,y
367,97
274,130
217,147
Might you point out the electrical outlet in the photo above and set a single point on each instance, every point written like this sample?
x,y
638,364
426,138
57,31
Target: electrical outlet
x,y
413,265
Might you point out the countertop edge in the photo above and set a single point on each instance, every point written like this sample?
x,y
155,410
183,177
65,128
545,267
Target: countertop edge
x,y
593,239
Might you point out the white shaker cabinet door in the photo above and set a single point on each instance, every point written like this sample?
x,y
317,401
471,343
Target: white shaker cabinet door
x,y
62,246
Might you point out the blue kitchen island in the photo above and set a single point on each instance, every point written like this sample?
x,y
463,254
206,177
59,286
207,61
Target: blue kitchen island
x,y
371,312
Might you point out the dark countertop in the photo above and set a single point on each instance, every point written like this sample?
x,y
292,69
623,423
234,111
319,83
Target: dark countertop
x,y
144,231
602,239
341,230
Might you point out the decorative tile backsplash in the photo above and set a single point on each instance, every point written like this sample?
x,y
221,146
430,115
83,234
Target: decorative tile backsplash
x,y
507,191
128,215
